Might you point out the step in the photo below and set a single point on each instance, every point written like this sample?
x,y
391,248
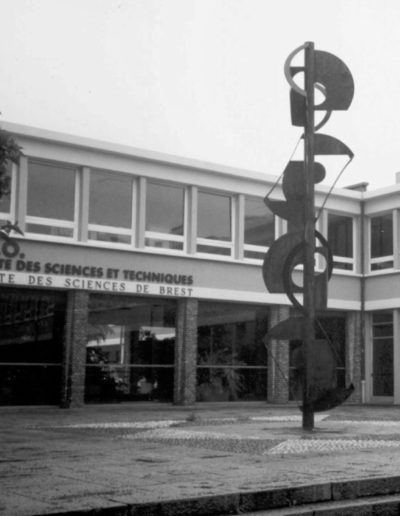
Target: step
x,y
352,495
370,496
370,506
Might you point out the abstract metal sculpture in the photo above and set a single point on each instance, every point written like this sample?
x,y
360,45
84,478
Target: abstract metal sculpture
x,y
327,74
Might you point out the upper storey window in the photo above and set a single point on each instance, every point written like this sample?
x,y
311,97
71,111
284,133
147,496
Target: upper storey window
x,y
165,206
259,228
110,207
340,238
214,224
382,242
5,200
51,199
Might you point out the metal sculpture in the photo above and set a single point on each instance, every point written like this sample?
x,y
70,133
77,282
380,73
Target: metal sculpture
x,y
299,246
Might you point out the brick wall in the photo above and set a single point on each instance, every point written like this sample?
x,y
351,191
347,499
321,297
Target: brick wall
x,y
354,355
185,352
278,360
74,350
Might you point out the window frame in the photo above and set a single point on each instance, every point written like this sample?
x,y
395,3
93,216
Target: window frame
x,y
10,215
252,247
389,320
167,237
113,230
52,222
380,259
344,259
218,244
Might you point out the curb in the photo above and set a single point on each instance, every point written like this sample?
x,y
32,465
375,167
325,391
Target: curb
x,y
241,503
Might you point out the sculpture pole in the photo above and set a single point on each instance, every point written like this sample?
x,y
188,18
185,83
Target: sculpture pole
x,y
309,239
302,243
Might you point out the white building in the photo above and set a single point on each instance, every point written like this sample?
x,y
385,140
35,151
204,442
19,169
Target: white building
x,y
139,277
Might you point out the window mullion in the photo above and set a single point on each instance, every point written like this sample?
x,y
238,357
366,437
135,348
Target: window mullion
x,y
83,217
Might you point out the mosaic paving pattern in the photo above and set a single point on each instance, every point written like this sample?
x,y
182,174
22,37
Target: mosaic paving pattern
x,y
327,445
169,423
278,419
190,435
382,422
210,440
123,425
181,432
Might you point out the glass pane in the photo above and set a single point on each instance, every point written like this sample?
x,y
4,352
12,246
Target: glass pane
x,y
382,265
259,225
382,236
383,367
341,378
30,384
110,201
49,230
130,348
230,351
382,317
343,266
5,199
109,237
340,235
382,325
295,366
163,244
224,251
164,209
51,191
214,217
31,336
253,255
111,383
231,334
231,384
383,330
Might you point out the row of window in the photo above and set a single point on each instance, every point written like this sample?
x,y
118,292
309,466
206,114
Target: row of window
x,y
106,207
341,237
55,192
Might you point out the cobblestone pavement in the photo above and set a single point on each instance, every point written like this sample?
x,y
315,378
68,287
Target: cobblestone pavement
x,y
56,460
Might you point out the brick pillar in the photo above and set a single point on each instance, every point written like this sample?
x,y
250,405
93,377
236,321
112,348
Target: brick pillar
x,y
185,352
354,354
278,360
74,353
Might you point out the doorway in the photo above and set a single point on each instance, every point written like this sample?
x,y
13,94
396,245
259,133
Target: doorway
x,y
382,385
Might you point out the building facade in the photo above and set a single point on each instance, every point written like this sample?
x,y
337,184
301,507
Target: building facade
x,y
139,277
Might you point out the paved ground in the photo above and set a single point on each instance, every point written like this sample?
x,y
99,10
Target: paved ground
x,y
55,460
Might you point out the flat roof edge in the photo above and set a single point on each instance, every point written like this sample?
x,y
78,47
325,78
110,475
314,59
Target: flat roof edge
x,y
65,139
134,152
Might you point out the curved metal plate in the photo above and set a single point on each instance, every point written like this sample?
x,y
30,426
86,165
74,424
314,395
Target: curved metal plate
x,y
331,398
275,259
335,76
289,329
328,145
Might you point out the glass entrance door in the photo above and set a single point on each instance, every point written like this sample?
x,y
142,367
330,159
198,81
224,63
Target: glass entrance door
x,y
382,357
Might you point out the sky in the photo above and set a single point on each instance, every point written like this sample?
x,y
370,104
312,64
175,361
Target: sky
x,y
202,79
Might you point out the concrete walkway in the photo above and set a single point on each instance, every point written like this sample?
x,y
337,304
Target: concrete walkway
x,y
57,461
